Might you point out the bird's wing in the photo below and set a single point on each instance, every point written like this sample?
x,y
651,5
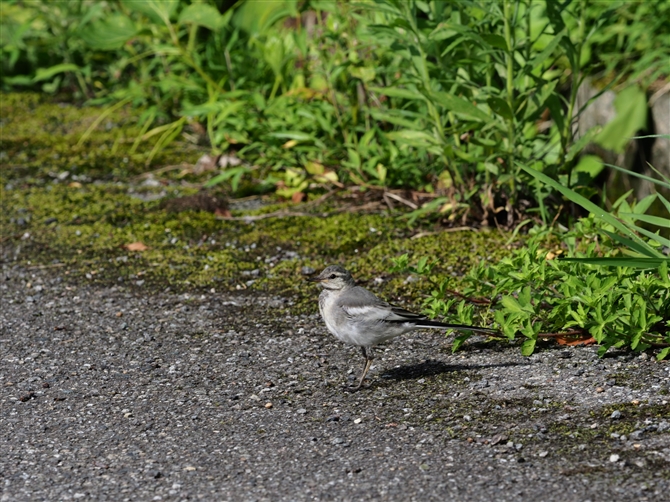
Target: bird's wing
x,y
361,303
402,315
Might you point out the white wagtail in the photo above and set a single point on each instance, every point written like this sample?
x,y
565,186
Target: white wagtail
x,y
357,317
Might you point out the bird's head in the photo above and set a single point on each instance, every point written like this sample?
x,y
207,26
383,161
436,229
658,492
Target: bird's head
x,y
334,277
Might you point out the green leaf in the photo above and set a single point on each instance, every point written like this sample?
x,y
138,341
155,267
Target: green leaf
x,y
528,347
496,41
631,107
591,165
458,341
633,245
619,262
235,173
654,236
641,176
511,304
393,117
397,92
48,73
364,73
418,139
654,220
500,107
296,135
663,354
536,61
460,106
201,14
159,11
590,206
110,33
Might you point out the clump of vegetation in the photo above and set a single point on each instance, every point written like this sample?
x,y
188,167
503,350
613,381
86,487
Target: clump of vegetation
x,y
610,290
449,97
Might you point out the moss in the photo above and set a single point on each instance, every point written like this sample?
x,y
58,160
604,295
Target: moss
x,y
81,223
41,139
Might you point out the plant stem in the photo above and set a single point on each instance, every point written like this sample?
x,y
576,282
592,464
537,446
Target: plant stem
x,y
575,63
509,38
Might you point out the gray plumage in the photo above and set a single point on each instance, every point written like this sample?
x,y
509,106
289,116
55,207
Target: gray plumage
x,y
357,317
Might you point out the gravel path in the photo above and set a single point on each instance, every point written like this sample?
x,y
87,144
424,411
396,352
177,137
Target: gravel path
x,y
127,394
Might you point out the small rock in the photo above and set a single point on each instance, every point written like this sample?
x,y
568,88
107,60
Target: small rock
x,y
358,420
268,405
663,426
616,415
301,411
27,397
307,270
614,457
497,439
543,454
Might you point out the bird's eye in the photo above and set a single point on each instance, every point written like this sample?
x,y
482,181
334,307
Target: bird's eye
x,y
332,276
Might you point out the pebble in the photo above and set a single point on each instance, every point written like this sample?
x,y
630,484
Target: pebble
x,y
616,415
543,454
268,405
614,457
358,420
301,411
307,270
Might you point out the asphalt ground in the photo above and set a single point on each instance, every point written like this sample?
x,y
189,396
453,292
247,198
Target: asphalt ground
x,y
125,393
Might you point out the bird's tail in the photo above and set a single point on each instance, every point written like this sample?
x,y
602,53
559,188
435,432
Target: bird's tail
x,y
427,323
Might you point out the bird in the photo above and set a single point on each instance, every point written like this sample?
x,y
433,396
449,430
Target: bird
x,y
357,317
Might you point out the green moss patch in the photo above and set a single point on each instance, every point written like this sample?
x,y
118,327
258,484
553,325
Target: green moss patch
x,y
82,210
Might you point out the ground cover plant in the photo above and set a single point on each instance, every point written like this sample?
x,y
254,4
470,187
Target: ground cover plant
x,y
605,281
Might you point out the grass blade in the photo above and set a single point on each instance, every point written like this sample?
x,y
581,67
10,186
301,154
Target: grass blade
x,y
590,206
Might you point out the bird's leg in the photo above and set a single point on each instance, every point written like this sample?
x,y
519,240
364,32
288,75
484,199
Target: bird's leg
x,y
367,354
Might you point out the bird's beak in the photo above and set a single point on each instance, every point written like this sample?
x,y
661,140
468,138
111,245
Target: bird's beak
x,y
314,279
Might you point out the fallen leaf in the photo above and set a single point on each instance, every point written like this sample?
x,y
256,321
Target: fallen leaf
x,y
136,246
297,197
572,340
290,144
224,213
